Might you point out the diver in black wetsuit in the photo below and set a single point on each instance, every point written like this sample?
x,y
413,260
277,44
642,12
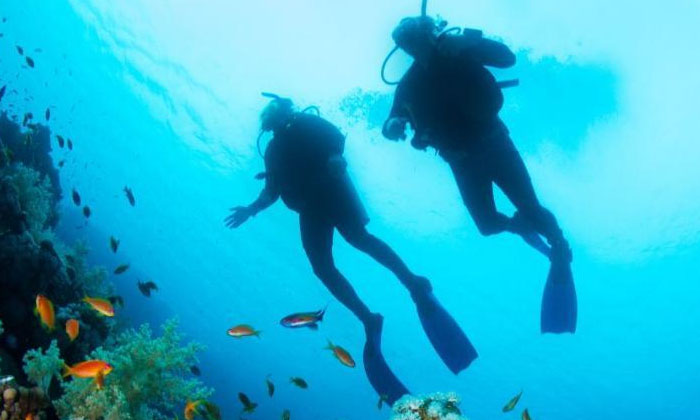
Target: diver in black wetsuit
x,y
305,167
452,102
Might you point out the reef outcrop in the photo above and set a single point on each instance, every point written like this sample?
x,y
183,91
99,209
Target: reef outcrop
x,y
19,402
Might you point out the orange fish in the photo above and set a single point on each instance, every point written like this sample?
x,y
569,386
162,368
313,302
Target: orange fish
x,y
44,308
100,305
341,354
191,409
242,331
526,415
88,369
29,416
72,329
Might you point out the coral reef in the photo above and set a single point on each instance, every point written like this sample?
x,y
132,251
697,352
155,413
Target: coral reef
x,y
31,147
18,403
436,406
151,375
33,261
27,196
94,280
150,378
42,367
29,266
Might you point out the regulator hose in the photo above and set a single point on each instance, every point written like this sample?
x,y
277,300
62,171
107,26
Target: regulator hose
x,y
257,143
386,60
316,110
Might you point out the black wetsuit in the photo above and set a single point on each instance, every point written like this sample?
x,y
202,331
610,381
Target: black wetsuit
x,y
452,103
297,168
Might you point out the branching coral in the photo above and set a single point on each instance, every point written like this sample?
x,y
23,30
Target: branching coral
x,y
436,406
150,378
33,193
42,367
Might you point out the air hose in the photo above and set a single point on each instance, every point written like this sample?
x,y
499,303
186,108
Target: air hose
x,y
386,60
316,110
257,143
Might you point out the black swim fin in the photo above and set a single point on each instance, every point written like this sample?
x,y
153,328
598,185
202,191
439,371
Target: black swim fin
x,y
447,338
559,303
380,376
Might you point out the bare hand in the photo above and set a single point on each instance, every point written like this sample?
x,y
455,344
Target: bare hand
x,y
238,216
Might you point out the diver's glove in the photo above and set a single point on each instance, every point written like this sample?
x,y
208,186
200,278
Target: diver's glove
x,y
395,128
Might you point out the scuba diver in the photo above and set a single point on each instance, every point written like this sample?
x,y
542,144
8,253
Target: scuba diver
x,y
452,102
304,165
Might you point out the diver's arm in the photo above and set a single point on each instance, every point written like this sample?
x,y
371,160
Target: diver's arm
x,y
240,214
267,197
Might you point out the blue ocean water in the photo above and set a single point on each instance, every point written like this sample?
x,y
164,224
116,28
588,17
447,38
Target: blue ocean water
x,y
164,96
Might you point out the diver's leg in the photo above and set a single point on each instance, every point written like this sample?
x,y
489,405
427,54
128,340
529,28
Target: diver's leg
x,y
511,175
317,238
476,189
380,251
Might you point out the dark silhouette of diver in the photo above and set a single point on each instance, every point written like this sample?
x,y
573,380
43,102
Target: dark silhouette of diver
x,y
452,103
305,167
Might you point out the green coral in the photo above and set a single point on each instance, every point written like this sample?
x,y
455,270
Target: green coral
x,y
41,367
150,378
438,406
33,193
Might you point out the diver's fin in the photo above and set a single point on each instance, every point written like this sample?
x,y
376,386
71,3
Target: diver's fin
x,y
447,338
378,372
559,304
